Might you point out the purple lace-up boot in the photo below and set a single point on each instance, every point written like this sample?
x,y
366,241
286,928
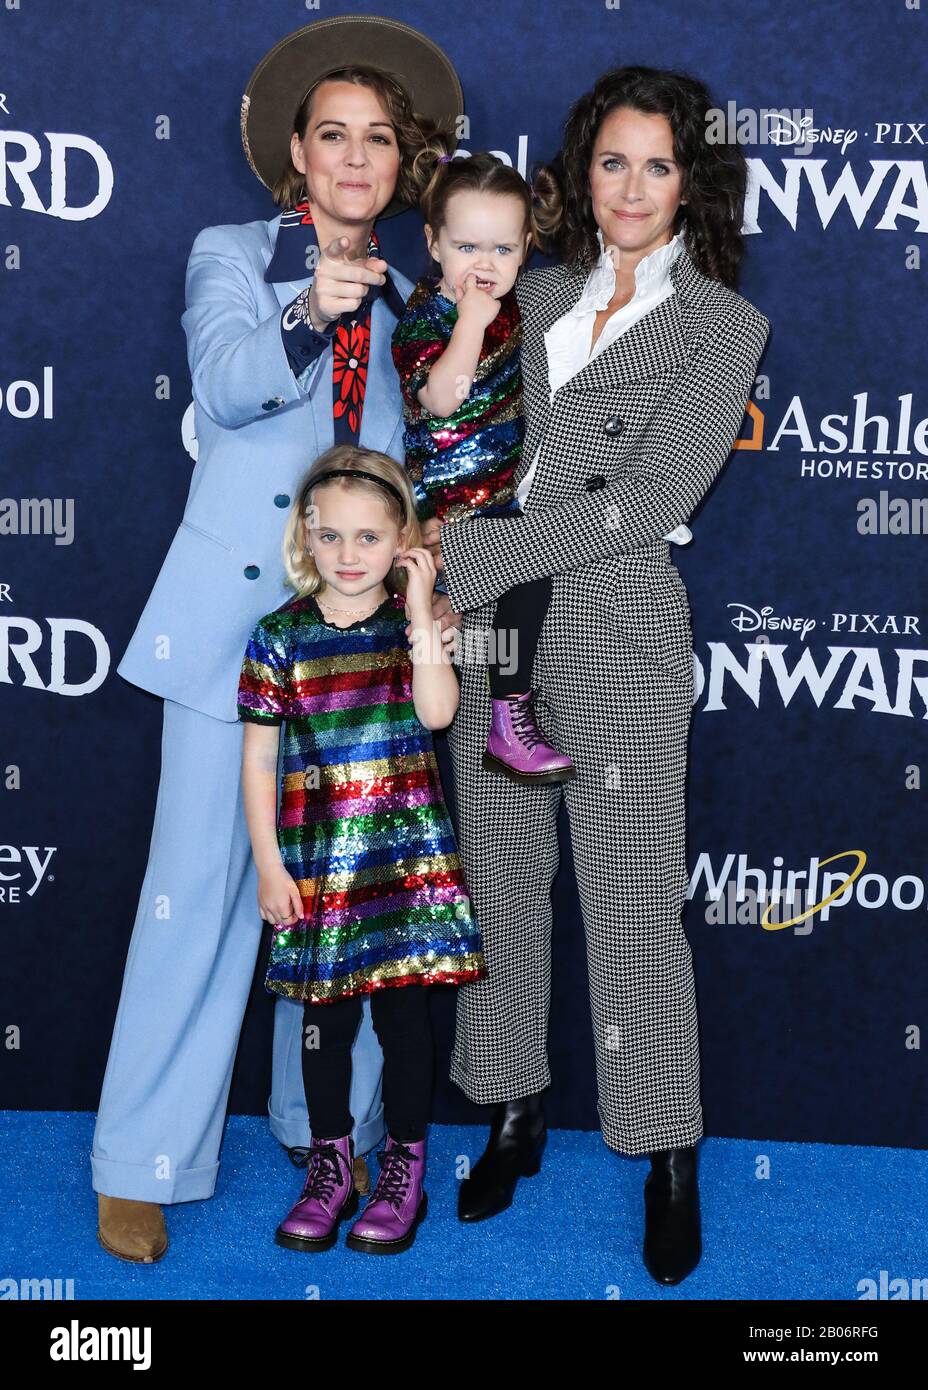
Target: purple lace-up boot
x,y
328,1197
516,747
398,1204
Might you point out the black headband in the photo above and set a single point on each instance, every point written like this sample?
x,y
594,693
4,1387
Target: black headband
x,y
359,473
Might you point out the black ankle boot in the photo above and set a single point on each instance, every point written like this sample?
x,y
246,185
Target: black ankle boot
x,y
517,1137
672,1238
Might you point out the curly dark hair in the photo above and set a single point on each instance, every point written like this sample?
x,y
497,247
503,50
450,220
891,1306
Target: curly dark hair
x,y
714,175
412,130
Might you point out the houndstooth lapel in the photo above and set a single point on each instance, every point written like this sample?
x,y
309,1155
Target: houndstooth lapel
x,y
658,342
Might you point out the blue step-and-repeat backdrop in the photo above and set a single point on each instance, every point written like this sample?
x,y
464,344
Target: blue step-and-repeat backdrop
x,y
119,141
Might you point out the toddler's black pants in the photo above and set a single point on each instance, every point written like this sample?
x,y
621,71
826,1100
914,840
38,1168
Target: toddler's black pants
x,y
520,611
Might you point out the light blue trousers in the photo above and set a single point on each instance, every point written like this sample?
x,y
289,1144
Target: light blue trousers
x,y
188,975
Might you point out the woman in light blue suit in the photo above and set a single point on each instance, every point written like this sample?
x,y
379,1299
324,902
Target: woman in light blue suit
x,y
280,372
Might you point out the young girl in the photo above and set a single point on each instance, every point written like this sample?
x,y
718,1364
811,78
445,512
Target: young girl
x,y
457,350
359,873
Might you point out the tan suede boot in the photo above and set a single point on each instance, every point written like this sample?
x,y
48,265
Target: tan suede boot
x,y
131,1230
362,1178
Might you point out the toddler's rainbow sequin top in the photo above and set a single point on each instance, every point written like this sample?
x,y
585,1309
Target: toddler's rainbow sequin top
x,y
362,825
461,463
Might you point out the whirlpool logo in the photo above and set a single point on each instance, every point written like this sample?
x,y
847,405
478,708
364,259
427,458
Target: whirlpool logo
x,y
742,894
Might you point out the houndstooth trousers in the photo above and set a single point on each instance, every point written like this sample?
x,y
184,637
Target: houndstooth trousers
x,y
613,676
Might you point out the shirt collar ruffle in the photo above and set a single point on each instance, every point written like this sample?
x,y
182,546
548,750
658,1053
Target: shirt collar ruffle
x,y
650,273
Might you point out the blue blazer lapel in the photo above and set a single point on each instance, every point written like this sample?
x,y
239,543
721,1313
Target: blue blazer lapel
x,y
383,406
285,290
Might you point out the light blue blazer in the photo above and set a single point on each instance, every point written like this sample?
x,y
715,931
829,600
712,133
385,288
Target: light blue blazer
x,y
258,429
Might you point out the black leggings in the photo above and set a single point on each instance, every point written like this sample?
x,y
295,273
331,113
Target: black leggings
x,y
520,611
400,1015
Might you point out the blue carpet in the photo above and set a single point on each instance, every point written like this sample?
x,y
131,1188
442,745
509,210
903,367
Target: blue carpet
x,y
827,1217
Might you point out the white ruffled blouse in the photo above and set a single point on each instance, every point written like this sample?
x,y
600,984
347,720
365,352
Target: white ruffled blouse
x,y
568,339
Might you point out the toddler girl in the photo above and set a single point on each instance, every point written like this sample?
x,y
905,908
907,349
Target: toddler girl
x,y
359,871
457,350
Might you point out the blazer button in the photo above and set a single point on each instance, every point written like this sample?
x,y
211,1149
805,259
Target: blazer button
x,y
281,500
595,483
614,425
273,403
252,571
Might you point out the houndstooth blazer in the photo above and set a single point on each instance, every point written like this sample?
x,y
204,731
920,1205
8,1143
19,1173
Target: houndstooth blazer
x,y
630,444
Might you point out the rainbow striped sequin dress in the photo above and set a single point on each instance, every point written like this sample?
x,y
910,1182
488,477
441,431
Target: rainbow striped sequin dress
x,y
461,465
362,825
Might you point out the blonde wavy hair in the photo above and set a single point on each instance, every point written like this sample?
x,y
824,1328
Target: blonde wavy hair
x,y
299,565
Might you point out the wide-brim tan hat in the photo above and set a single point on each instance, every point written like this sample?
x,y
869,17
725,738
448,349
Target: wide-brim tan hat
x,y
285,74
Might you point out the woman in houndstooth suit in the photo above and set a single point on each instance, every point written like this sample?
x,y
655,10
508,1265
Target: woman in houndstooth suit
x,y
616,457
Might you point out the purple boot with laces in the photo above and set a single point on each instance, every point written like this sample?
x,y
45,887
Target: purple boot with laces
x,y
328,1196
516,747
398,1203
